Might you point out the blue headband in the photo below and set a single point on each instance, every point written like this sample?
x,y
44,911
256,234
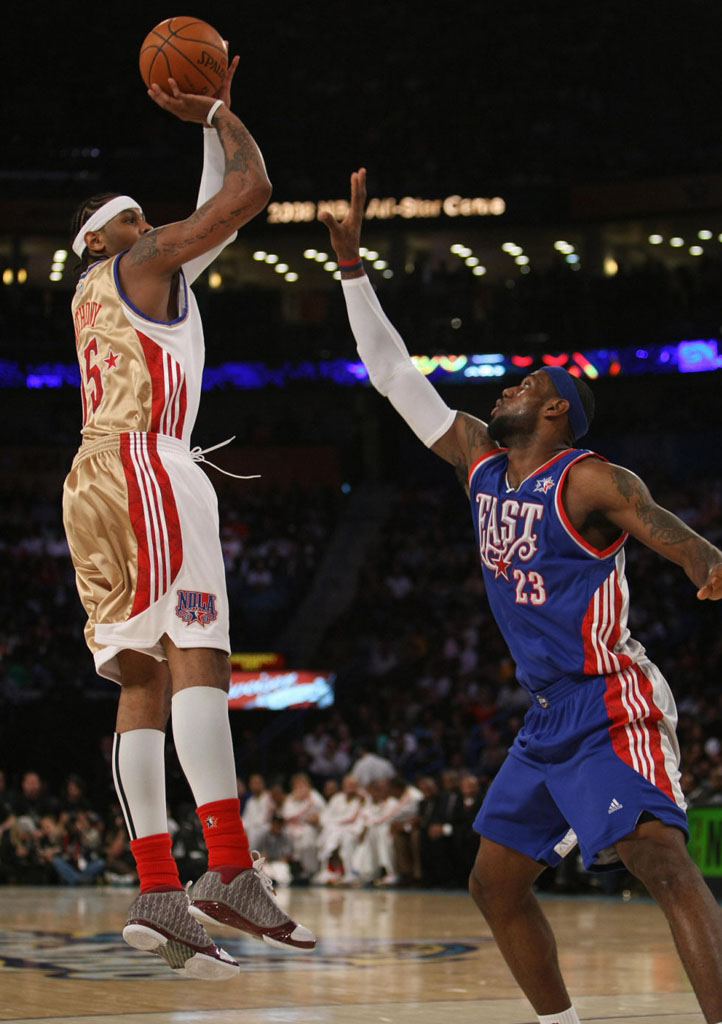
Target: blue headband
x,y
564,383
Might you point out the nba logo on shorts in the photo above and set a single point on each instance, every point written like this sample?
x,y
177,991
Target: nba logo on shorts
x,y
196,606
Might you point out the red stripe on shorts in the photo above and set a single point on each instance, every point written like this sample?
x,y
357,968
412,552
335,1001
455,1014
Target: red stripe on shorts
x,y
633,729
154,518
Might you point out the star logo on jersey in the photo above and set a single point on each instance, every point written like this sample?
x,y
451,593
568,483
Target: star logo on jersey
x,y
544,485
211,821
111,360
500,566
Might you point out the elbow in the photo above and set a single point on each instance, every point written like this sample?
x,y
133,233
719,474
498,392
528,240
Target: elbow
x,y
257,195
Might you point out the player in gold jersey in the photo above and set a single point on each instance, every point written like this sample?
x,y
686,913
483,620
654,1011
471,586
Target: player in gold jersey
x,y
142,524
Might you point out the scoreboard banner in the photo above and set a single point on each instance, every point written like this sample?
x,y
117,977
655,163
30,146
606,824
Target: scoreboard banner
x,y
281,689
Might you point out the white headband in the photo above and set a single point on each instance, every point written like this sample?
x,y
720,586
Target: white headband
x,y
101,217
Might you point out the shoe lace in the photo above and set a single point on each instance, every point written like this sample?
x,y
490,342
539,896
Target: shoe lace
x,y
266,880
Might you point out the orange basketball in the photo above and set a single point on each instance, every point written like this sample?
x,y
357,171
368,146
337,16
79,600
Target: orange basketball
x,y
187,49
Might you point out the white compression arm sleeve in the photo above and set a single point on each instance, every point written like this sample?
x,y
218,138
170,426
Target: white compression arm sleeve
x,y
214,166
389,365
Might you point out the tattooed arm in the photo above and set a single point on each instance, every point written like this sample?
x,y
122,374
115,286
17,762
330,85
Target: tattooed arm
x,y
602,499
149,266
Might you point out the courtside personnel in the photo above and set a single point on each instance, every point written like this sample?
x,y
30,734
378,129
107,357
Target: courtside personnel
x,y
596,761
142,523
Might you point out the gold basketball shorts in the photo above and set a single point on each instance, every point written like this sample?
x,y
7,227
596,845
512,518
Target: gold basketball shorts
x,y
141,518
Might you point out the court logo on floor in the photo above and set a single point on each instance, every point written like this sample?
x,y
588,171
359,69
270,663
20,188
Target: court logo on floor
x,y
104,955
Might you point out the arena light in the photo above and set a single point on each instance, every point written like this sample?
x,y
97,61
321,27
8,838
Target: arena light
x,y
281,268
271,258
9,276
60,255
321,257
471,261
291,276
655,239
259,255
696,250
611,267
215,280
572,257
330,265
310,254
22,275
380,264
676,242
388,273
479,271
521,260
52,276
704,234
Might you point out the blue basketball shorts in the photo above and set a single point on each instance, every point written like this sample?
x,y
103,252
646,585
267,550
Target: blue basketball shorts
x,y
591,757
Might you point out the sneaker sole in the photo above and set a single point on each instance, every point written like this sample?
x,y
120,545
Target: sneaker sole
x,y
223,914
199,966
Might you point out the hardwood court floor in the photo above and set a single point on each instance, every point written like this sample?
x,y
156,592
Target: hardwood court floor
x,y
402,957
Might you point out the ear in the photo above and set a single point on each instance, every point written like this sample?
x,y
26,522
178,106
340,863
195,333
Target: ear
x,y
95,242
555,407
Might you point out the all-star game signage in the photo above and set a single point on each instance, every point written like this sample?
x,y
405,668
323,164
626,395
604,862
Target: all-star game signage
x,y
407,208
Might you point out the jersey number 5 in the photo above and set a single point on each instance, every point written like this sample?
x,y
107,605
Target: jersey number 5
x,y
93,383
529,587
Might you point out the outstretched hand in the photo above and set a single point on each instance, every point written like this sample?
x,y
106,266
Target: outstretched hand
x,y
712,589
346,234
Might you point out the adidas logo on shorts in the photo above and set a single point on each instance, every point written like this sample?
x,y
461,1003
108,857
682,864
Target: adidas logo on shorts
x,y
614,806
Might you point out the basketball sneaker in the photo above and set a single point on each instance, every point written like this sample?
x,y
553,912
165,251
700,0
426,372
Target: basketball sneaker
x,y
247,900
160,923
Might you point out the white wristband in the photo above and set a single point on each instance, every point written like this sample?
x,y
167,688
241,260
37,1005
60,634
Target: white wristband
x,y
211,113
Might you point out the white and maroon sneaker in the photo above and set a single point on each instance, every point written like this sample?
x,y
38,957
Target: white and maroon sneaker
x,y
246,900
160,923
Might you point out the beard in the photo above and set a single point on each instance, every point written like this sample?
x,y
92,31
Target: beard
x,y
503,428
500,428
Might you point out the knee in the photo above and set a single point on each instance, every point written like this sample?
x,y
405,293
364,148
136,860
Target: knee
x,y
487,891
662,868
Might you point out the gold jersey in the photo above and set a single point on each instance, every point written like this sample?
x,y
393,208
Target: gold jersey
x,y
137,374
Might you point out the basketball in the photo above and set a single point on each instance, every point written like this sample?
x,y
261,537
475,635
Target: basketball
x,y
187,49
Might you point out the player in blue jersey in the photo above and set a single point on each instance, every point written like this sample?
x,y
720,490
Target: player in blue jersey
x,y
596,761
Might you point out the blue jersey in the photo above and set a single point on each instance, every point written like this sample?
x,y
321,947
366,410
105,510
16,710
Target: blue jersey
x,y
560,603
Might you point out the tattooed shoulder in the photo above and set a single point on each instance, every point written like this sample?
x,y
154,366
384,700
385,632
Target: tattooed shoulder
x,y
626,483
145,249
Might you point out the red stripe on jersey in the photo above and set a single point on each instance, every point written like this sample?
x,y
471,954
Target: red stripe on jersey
x,y
601,629
633,729
154,518
566,521
168,389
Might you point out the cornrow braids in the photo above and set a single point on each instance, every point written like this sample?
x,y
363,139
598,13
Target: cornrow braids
x,y
83,213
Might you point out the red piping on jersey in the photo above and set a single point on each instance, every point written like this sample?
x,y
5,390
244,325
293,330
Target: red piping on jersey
x,y
601,629
566,522
168,389
492,453
634,729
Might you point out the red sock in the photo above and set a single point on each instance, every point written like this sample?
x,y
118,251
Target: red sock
x,y
157,870
224,834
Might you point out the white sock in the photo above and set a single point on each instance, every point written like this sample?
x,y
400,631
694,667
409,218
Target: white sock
x,y
139,777
202,735
567,1017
